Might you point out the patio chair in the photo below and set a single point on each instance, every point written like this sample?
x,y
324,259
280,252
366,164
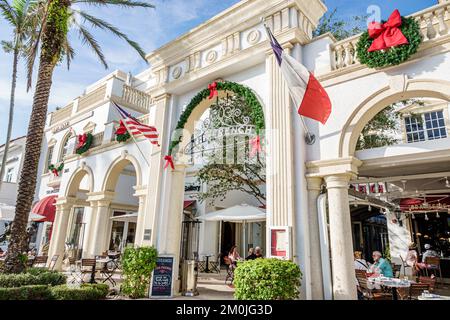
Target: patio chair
x,y
430,281
230,272
416,290
396,269
40,262
434,265
215,265
53,261
368,293
200,264
405,265
87,267
74,272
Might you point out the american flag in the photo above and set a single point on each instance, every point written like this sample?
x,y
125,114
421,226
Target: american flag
x,y
136,128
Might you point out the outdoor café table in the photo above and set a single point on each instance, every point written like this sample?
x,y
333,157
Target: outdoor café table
x,y
432,297
107,272
207,263
392,283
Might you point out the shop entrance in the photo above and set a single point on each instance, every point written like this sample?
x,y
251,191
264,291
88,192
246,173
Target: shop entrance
x,y
123,230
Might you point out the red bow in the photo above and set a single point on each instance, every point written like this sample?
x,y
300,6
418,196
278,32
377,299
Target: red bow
x,y
121,129
256,146
82,138
213,90
169,162
387,35
55,172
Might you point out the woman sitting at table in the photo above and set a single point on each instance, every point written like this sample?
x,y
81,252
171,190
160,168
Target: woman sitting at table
x,y
234,256
381,266
412,258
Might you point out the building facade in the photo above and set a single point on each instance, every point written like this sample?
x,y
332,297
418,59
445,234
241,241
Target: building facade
x,y
119,193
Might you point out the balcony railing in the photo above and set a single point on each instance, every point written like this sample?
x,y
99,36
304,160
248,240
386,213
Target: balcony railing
x,y
92,98
434,23
61,114
137,98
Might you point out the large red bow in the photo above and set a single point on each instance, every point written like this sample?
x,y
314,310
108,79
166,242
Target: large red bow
x,y
55,172
213,90
387,35
82,138
121,129
169,162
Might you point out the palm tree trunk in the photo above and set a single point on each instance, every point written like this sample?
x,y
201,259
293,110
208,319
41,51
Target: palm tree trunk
x,y
11,114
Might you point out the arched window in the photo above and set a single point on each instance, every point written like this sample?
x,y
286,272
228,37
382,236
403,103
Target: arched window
x,y
65,147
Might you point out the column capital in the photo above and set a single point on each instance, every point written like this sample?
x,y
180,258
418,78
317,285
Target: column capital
x,y
314,183
95,198
65,202
140,191
163,96
338,180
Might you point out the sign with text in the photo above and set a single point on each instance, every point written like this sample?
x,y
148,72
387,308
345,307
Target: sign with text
x,y
162,279
280,246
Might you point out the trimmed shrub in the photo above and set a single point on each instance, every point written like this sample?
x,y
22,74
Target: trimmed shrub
x,y
33,276
40,292
137,267
267,279
84,292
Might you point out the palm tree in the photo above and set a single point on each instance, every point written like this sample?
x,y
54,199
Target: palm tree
x,y
19,15
50,41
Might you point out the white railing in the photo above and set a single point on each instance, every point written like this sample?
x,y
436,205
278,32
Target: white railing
x,y
61,114
137,98
434,23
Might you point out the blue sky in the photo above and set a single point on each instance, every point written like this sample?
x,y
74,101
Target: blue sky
x,y
151,28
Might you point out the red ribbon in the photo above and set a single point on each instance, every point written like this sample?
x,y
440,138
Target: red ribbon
x,y
387,35
256,146
213,90
55,172
121,129
169,162
82,138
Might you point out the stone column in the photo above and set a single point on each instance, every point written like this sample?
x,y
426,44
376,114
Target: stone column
x,y
280,153
100,202
60,225
344,287
141,193
316,281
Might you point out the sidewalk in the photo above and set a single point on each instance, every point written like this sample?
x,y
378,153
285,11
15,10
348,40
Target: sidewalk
x,y
211,286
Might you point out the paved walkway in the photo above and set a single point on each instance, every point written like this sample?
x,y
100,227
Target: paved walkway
x,y
211,286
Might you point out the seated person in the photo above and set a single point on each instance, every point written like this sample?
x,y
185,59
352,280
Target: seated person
x,y
360,263
234,256
381,266
429,252
257,254
412,258
250,254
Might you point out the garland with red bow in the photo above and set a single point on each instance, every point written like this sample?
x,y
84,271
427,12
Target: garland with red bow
x,y
56,170
122,134
389,43
84,143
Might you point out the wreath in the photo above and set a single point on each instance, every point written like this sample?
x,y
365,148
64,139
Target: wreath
x,y
122,134
389,55
56,170
84,143
257,113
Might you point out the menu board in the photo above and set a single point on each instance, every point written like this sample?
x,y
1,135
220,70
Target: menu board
x,y
279,242
162,279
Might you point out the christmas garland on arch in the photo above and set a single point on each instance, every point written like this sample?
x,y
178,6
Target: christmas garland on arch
x,y
86,142
394,55
257,113
56,169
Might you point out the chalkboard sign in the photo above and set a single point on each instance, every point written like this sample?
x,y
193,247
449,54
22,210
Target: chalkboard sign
x,y
162,279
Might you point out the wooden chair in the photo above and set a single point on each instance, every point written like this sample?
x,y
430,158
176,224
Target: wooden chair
x,y
405,265
230,273
40,261
74,272
87,267
430,281
53,262
416,290
396,270
215,265
433,264
368,293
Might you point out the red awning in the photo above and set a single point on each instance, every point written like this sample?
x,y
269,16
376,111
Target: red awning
x,y
188,203
45,207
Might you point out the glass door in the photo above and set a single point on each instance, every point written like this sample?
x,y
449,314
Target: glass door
x,y
76,234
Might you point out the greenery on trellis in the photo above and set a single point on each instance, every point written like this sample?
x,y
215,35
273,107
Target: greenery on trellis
x,y
395,55
250,99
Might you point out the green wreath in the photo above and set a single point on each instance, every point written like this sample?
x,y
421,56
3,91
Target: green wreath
x,y
395,55
52,167
123,137
257,113
87,145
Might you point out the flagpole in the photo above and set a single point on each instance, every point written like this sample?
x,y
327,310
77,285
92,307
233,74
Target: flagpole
x,y
132,136
310,138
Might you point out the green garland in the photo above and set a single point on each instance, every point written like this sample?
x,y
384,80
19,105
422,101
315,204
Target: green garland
x,y
59,168
395,55
87,145
123,137
250,99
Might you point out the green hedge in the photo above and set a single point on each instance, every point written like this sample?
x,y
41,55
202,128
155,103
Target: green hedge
x,y
84,292
40,292
267,279
32,276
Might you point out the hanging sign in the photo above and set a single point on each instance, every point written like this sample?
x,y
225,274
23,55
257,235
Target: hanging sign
x,y
162,278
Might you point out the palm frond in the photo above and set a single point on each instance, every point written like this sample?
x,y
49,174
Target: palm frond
x,y
104,25
122,3
8,12
7,46
68,52
87,38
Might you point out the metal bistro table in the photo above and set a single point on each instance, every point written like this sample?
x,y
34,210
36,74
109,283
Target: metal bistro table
x,y
207,263
392,283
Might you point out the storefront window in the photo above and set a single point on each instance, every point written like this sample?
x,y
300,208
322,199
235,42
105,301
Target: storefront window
x,y
76,235
434,229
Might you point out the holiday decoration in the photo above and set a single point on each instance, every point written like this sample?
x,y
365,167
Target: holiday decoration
x,y
84,143
246,93
256,146
389,43
122,134
213,90
56,170
169,162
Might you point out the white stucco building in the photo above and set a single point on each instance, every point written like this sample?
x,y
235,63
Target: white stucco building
x,y
120,191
